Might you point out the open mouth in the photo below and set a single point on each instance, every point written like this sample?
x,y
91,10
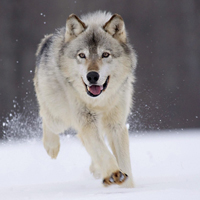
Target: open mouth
x,y
96,90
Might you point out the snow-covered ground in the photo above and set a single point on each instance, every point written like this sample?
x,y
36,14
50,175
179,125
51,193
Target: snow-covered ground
x,y
166,166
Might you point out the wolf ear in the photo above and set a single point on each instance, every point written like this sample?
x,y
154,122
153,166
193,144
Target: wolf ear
x,y
115,27
74,26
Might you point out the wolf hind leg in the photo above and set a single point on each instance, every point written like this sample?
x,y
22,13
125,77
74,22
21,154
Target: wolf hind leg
x,y
100,154
95,170
51,142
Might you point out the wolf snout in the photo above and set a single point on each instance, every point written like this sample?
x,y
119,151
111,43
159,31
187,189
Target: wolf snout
x,y
92,77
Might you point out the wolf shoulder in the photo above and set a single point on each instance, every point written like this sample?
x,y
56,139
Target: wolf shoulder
x,y
43,46
48,45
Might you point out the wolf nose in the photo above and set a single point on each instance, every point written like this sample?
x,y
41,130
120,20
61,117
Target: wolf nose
x,y
92,77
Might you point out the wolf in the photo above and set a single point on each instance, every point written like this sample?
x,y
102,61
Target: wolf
x,y
84,80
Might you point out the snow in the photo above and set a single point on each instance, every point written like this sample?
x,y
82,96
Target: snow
x,y
165,166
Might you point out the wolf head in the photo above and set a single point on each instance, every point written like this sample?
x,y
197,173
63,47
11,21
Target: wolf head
x,y
97,58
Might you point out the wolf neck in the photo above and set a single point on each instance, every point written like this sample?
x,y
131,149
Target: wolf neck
x,y
101,106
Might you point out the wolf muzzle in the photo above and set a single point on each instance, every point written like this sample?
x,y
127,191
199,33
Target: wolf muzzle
x,y
94,89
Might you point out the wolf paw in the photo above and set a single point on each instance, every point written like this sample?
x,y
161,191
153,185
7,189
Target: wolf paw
x,y
52,150
117,177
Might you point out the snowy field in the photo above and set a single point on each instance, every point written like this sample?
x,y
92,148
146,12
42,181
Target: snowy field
x,y
166,166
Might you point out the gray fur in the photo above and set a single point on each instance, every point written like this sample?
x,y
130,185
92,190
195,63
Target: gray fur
x,y
64,92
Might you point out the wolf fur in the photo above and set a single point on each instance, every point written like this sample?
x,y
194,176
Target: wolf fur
x,y
97,43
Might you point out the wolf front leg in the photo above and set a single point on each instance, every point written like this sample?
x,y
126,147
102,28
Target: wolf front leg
x,y
101,156
118,139
51,142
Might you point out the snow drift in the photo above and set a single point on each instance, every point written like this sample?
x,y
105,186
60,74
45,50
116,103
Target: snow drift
x,y
165,166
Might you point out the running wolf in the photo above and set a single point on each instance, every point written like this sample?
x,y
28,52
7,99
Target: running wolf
x,y
84,79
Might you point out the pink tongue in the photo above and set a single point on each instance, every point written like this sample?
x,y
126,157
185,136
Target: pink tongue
x,y
95,89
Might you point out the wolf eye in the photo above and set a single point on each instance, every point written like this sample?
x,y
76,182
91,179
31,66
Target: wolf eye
x,y
105,55
82,55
